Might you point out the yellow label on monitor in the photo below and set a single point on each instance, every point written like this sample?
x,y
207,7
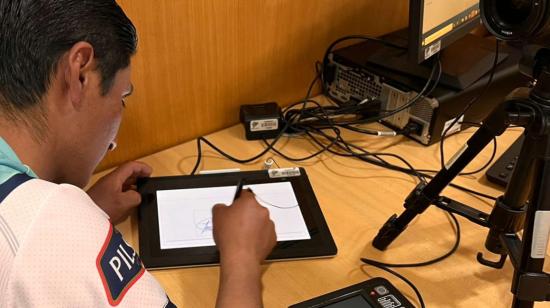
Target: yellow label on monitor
x,y
437,35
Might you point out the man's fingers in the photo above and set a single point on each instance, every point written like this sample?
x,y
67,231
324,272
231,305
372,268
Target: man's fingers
x,y
272,227
247,194
128,173
140,169
131,199
216,208
130,184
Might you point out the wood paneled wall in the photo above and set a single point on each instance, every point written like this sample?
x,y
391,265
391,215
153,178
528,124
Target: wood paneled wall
x,y
199,60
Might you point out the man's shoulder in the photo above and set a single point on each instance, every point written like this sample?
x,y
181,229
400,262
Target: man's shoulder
x,y
72,254
37,209
34,195
31,198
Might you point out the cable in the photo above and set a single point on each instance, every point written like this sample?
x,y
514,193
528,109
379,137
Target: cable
x,y
429,87
237,160
485,166
469,105
241,161
385,266
491,159
294,124
307,114
232,158
364,154
371,132
418,173
268,164
320,117
383,113
382,134
334,141
413,172
338,141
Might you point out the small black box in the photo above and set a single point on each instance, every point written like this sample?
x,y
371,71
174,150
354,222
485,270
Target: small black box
x,y
261,121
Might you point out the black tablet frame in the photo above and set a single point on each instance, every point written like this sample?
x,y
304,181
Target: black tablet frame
x,y
320,245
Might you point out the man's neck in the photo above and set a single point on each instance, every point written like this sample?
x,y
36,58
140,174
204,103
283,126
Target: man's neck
x,y
38,155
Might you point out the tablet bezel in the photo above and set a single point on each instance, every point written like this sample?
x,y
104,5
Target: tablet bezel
x,y
320,245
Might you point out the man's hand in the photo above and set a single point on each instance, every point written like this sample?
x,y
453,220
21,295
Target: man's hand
x,y
243,231
245,236
116,192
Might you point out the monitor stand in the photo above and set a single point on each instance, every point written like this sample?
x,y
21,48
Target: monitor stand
x,y
464,62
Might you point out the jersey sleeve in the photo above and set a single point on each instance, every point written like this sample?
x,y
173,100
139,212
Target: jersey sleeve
x,y
72,256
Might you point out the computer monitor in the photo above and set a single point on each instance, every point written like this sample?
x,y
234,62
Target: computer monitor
x,y
440,27
436,24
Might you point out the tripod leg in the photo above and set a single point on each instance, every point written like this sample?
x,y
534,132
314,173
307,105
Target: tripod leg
x,y
508,214
532,182
425,194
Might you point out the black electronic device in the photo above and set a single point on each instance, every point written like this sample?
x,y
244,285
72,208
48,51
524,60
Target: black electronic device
x,y
502,169
518,223
440,27
437,24
373,293
394,69
527,21
261,121
191,252
352,76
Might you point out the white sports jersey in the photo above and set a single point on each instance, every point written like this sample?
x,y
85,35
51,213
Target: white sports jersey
x,y
58,249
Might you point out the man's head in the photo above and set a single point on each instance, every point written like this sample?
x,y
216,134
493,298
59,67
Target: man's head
x,y
64,69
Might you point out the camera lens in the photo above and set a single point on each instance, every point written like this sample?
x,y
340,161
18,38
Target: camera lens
x,y
513,12
516,20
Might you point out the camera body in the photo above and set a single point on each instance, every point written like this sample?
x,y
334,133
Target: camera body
x,y
527,21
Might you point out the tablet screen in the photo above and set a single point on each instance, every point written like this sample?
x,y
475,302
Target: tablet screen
x,y
185,215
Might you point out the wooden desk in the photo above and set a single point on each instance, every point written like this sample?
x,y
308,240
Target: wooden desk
x,y
356,199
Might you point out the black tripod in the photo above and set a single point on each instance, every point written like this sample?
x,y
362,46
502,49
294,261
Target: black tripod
x,y
526,201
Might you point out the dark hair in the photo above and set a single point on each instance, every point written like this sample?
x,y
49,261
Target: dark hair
x,y
34,34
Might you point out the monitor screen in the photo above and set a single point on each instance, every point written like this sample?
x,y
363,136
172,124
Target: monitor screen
x,y
435,24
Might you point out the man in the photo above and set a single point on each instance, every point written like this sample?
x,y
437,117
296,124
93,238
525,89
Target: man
x,y
64,74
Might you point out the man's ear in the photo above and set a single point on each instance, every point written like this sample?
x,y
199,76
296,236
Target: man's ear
x,y
79,67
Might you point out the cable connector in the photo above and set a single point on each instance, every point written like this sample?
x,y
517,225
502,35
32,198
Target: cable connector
x,y
387,134
270,163
412,128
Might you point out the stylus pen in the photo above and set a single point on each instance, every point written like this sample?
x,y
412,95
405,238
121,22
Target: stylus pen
x,y
239,190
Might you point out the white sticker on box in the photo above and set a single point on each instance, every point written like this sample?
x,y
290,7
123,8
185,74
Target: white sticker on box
x,y
540,235
456,128
284,173
453,160
264,125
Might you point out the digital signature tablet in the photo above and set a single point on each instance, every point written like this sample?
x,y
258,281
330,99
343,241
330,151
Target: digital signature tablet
x,y
175,216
